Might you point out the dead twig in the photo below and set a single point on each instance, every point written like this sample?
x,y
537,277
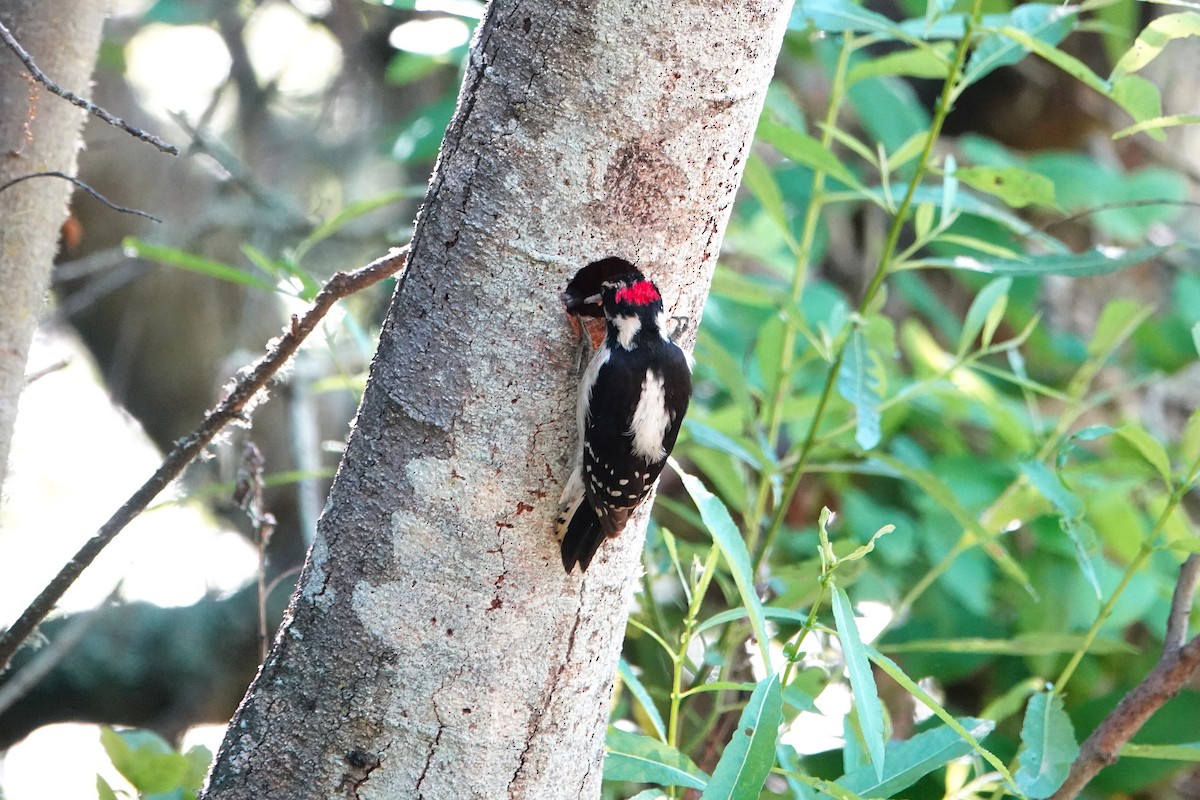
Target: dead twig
x,y
1178,664
249,495
246,385
81,185
39,76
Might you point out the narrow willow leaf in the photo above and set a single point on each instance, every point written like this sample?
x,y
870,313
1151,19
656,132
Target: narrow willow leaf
x,y
838,16
923,220
1028,644
1070,509
1196,337
1043,22
931,63
1100,261
759,179
1117,323
1059,58
858,666
858,384
804,149
788,615
750,754
1158,123
1150,448
911,760
992,296
193,263
909,685
145,759
1154,37
351,213
1189,445
633,757
1141,99
1048,746
638,690
727,537
103,790
1168,752
1015,186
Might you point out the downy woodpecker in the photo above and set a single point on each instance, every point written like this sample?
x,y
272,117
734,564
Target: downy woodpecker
x,y
634,394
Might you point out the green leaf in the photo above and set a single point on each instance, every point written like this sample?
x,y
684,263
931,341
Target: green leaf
x,y
633,757
145,759
1119,319
1150,448
1189,445
638,690
750,754
193,263
858,666
1064,61
804,149
1100,261
1158,123
278,268
910,760
727,537
1154,37
759,179
1041,22
909,685
859,383
1141,100
1015,186
1026,644
917,63
990,302
1169,752
350,213
837,16
1048,746
199,759
103,790
1070,509
1196,337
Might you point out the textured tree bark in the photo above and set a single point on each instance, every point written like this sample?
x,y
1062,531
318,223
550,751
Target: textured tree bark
x,y
38,132
434,647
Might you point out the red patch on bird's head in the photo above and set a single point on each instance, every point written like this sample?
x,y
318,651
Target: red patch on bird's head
x,y
641,293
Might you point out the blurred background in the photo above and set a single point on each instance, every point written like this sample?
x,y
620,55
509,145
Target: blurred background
x,y
308,130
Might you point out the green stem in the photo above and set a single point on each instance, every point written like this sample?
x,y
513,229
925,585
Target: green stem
x,y
812,216
1148,547
881,272
685,641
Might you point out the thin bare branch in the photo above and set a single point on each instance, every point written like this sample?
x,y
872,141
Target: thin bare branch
x,y
1179,663
26,59
20,683
81,185
247,384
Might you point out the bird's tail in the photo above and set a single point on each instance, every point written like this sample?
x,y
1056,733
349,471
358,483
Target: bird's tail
x,y
582,538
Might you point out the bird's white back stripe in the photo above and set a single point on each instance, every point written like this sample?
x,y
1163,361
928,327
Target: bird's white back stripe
x,y
650,419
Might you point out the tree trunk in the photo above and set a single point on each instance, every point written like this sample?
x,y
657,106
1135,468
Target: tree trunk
x,y
38,133
434,647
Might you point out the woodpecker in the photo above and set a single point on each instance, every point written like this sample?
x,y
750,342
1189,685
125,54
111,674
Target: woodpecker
x,y
632,399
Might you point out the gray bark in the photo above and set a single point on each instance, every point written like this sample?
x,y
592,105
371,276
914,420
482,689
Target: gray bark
x,y
38,132
434,647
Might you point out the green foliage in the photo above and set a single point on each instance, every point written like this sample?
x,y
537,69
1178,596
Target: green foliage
x,y
1031,519
152,766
